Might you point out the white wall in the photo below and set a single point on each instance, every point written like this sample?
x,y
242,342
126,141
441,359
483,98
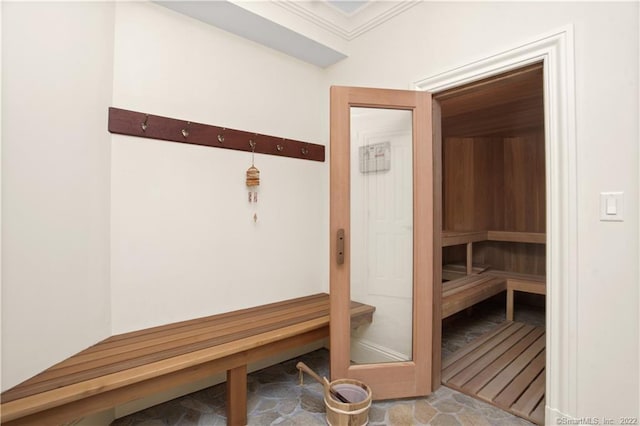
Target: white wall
x,y
435,37
182,240
56,87
184,243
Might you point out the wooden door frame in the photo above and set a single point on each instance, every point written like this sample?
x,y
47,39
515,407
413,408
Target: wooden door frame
x,y
556,51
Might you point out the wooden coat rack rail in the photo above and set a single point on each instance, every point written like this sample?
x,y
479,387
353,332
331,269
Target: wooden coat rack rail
x,y
132,123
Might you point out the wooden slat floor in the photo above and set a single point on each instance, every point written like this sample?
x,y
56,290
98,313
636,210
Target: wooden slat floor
x,y
504,367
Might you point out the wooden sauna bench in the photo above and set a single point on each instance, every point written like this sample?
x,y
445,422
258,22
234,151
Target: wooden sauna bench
x,y
454,238
465,292
130,366
462,293
471,284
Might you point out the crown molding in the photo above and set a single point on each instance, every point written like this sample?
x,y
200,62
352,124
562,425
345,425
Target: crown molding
x,y
341,24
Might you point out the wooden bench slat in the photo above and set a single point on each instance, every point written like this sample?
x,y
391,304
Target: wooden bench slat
x,y
124,338
515,275
469,296
527,286
196,332
127,360
79,363
267,307
135,352
461,284
517,237
453,238
453,271
209,332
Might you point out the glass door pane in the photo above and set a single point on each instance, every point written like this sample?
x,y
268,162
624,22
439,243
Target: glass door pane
x,y
381,241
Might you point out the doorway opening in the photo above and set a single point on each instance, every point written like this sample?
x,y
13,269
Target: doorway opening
x,y
493,241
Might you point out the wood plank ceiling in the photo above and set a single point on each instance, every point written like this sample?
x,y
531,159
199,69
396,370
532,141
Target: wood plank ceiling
x,y
501,105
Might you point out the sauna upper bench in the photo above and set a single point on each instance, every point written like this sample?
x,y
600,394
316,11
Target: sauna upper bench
x,y
453,238
470,284
129,366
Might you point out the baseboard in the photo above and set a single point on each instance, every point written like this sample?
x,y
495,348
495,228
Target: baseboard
x,y
366,352
555,417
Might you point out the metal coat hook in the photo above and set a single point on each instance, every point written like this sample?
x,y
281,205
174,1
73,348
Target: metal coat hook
x,y
280,147
185,131
144,124
304,150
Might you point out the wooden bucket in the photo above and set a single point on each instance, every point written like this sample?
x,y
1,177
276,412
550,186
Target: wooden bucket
x,y
354,413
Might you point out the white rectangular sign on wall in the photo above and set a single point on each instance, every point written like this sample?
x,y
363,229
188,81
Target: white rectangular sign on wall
x,y
375,158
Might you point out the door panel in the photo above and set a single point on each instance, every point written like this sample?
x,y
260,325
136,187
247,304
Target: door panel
x,y
382,199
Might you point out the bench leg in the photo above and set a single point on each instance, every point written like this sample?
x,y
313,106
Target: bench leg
x,y
509,305
237,396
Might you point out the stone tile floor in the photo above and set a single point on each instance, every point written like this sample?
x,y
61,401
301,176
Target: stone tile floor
x,y
276,398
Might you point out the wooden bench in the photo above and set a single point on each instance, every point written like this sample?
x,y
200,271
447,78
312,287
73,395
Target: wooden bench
x,y
527,286
471,283
129,366
465,292
468,238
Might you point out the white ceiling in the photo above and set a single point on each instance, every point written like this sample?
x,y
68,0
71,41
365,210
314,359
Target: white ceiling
x,y
315,31
346,6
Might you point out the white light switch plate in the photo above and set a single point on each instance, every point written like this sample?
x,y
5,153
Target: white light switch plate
x,y
611,206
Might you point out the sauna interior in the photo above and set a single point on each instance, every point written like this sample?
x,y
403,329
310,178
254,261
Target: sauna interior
x,y
493,238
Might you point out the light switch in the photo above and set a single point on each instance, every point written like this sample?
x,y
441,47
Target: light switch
x,y
611,206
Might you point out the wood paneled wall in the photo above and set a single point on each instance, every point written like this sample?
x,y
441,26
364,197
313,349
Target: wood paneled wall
x,y
473,184
524,183
496,183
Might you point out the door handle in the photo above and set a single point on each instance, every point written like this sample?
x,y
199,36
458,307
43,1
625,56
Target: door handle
x,y
340,246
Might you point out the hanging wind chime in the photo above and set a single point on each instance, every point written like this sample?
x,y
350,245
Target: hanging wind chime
x,y
253,179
